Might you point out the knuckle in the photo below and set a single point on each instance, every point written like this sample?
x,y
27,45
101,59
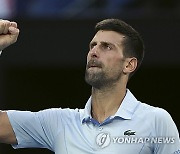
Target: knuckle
x,y
2,25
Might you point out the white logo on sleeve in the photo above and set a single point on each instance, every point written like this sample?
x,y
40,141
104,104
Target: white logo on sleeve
x,y
103,140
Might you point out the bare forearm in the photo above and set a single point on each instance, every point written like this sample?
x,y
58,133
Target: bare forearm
x,y
6,132
8,35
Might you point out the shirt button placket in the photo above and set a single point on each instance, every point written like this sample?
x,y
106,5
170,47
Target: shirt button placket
x,y
100,128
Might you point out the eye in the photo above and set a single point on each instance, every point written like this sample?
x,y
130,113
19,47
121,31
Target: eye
x,y
106,46
92,45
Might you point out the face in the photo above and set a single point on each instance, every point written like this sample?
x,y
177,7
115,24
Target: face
x,y
105,60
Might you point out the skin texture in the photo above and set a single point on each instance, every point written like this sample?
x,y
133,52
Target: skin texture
x,y
105,59
8,33
107,71
6,132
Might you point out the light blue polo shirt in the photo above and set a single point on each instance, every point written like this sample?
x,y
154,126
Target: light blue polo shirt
x,y
136,128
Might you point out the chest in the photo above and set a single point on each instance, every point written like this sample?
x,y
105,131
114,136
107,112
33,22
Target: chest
x,y
117,137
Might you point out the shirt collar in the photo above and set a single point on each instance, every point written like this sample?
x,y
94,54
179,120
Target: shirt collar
x,y
85,114
128,106
125,111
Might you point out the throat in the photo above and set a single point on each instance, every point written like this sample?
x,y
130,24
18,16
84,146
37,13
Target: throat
x,y
100,119
105,105
102,113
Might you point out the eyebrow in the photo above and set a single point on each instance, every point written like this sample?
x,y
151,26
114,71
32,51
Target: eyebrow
x,y
109,43
103,43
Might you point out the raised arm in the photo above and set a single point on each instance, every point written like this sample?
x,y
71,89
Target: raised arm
x,y
6,132
8,35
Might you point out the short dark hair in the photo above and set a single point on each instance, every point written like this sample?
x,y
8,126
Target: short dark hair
x,y
133,43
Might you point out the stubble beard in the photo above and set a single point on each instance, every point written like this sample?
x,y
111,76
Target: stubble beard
x,y
95,79
100,80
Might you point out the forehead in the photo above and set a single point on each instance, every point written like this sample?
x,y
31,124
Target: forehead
x,y
108,36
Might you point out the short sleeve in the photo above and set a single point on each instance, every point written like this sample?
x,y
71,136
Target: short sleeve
x,y
166,129
36,129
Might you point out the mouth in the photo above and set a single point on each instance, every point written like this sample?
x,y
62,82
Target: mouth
x,y
93,64
93,67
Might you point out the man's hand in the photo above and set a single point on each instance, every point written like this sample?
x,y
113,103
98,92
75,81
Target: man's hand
x,y
8,33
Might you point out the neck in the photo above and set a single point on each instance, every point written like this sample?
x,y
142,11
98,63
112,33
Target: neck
x,y
106,101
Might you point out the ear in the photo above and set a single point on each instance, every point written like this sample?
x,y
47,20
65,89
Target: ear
x,y
130,65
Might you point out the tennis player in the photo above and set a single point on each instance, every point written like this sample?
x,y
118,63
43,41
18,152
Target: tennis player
x,y
113,120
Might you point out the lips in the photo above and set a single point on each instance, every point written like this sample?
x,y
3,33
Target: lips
x,y
92,66
93,63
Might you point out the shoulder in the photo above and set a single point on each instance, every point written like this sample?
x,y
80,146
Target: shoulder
x,y
156,113
158,118
46,115
59,112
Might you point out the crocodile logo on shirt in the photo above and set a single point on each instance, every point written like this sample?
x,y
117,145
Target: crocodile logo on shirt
x,y
129,132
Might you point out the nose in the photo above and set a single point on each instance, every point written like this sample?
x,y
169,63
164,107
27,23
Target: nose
x,y
94,52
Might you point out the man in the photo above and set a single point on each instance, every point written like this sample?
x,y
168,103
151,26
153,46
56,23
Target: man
x,y
113,120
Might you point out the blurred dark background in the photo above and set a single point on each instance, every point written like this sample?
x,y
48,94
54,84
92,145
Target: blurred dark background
x,y
45,68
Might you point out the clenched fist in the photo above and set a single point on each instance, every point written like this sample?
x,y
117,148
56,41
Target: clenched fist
x,y
8,33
